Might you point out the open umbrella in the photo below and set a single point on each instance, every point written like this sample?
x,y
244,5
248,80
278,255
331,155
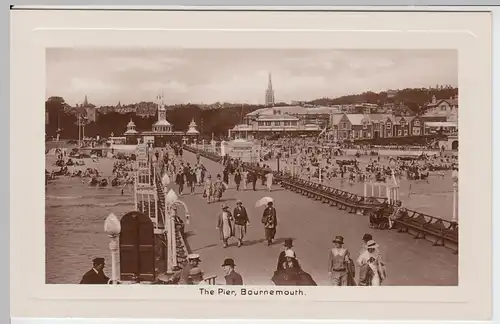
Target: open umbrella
x,y
263,201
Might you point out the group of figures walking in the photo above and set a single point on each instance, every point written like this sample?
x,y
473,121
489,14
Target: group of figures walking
x,y
235,224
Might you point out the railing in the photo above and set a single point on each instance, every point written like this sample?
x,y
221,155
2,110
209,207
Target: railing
x,y
210,280
181,252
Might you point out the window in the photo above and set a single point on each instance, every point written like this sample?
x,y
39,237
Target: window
x,y
389,125
399,132
343,125
268,123
443,107
365,125
344,134
365,135
416,123
286,123
389,134
294,123
261,123
406,132
416,130
276,123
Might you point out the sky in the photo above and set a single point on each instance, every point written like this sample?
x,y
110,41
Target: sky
x,y
239,75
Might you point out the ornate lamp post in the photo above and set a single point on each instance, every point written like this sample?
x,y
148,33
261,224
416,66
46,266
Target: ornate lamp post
x,y
454,177
112,227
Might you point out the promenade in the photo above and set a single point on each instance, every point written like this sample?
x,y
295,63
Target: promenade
x,y
312,225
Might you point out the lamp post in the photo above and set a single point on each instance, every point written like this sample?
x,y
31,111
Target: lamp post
x,y
454,177
171,200
112,227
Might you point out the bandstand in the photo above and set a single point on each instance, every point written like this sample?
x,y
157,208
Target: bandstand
x,y
131,134
192,133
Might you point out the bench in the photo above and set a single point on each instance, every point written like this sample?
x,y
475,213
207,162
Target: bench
x,y
425,225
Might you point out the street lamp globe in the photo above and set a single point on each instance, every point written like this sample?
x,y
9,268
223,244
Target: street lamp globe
x,y
112,225
171,197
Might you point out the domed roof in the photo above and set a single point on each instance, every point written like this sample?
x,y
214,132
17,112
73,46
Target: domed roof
x,y
131,123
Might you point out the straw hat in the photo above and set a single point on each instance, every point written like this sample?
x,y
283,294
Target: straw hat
x,y
338,239
371,244
290,254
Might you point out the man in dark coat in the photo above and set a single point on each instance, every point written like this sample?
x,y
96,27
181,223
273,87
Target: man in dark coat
x,y
96,276
253,176
240,222
270,222
179,180
231,276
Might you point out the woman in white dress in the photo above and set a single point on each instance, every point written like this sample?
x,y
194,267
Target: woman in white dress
x,y
372,259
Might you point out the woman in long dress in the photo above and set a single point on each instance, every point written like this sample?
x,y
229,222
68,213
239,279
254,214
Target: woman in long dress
x,y
225,225
372,267
219,188
269,181
207,189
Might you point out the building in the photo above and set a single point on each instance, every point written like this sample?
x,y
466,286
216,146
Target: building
x,y
131,134
90,110
287,120
86,111
162,130
373,126
273,125
444,109
270,93
441,116
192,129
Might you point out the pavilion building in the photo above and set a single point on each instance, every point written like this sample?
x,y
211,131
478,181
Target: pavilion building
x,y
162,130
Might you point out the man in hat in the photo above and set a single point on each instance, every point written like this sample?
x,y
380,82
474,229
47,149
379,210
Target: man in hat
x,y
367,237
282,256
240,222
270,222
231,276
96,276
182,277
195,276
225,225
338,262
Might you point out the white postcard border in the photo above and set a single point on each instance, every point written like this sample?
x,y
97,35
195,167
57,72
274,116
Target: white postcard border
x,y
32,32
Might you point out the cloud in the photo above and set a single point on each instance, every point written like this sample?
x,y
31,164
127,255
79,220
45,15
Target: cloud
x,y
239,75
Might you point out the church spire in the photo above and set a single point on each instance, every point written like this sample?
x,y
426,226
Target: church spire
x,y
270,93
85,101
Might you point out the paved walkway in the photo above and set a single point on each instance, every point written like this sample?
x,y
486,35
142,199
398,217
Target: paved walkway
x,y
312,225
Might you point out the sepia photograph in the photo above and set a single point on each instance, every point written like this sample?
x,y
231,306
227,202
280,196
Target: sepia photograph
x,y
270,167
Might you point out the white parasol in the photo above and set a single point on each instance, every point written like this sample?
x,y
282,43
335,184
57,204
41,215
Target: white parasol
x,y
263,201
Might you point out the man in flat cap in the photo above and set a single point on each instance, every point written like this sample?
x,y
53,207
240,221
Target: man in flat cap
x,y
96,276
231,276
240,222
